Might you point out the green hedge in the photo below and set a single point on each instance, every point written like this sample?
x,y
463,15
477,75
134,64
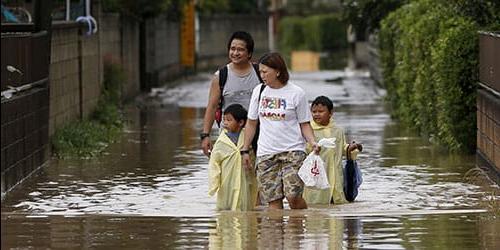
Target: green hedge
x,y
429,57
291,34
316,33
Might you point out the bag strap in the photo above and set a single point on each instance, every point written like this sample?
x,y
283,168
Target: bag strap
x,y
257,127
262,87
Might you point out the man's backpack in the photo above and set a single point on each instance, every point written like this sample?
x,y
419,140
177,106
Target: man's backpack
x,y
222,82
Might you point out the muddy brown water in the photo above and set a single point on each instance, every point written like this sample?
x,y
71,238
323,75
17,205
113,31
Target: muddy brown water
x,y
149,190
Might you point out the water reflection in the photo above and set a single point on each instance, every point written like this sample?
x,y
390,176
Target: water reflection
x,y
276,230
251,230
353,230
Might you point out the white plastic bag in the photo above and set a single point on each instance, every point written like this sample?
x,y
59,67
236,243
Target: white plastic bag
x,y
313,172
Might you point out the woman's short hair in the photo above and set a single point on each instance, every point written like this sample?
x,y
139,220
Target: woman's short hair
x,y
238,112
244,36
275,61
323,100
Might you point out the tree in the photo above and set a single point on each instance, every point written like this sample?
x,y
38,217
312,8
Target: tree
x,y
365,15
311,7
145,8
231,6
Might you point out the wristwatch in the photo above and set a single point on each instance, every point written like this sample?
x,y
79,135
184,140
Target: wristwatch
x,y
203,135
242,152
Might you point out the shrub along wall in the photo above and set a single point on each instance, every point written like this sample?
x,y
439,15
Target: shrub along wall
x,y
429,57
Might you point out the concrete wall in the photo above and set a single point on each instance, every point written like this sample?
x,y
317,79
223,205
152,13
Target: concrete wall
x,y
214,33
130,52
110,35
161,51
162,44
119,43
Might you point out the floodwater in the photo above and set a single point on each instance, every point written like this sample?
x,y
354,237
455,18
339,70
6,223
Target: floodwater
x,y
149,190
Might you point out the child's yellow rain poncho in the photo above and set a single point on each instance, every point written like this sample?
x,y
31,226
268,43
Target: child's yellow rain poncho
x,y
236,188
333,164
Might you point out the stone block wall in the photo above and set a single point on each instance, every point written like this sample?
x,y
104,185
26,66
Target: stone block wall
x,y
130,46
67,91
91,73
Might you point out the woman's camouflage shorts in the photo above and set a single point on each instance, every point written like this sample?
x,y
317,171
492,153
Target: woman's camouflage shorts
x,y
277,175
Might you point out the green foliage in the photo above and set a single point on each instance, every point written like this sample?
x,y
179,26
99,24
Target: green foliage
x,y
317,33
89,137
229,6
145,8
483,12
114,77
111,5
365,15
429,59
107,114
243,6
324,33
212,6
84,139
310,7
291,34
455,71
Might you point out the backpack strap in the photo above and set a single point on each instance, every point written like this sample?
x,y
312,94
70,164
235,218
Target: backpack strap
x,y
223,79
222,83
256,68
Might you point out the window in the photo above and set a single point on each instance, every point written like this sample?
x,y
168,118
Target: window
x,y
17,11
67,10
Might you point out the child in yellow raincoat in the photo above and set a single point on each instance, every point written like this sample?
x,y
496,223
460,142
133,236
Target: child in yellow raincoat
x,y
236,188
324,127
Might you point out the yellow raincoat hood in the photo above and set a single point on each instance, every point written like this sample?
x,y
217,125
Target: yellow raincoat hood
x,y
236,188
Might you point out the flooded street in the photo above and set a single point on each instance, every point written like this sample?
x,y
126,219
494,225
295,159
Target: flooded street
x,y
149,190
